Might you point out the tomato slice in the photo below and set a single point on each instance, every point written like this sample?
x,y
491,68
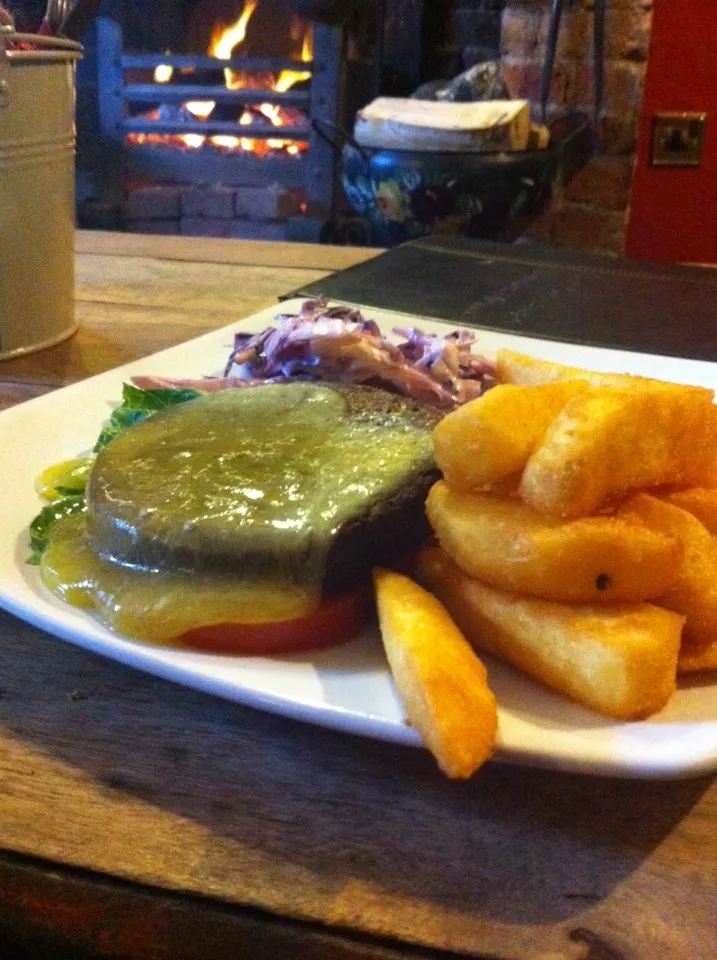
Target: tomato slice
x,y
337,619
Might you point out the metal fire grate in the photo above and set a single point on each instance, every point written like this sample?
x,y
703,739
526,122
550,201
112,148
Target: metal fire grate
x,y
319,99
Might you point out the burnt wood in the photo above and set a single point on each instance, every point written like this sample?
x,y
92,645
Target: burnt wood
x,y
267,31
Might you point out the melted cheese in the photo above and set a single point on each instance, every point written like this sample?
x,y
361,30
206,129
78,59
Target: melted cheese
x,y
261,477
158,607
249,489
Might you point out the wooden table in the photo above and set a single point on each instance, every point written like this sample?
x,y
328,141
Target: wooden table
x,y
145,820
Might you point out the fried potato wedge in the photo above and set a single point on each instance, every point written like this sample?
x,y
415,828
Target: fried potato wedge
x,y
608,441
443,684
694,593
511,546
522,370
492,437
619,660
701,502
702,660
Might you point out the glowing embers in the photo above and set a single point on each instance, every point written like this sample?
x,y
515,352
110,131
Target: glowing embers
x,y
226,44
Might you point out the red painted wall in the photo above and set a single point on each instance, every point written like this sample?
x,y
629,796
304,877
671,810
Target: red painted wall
x,y
673,210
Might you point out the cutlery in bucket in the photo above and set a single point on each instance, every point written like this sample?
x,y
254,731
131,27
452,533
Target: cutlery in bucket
x,y
79,17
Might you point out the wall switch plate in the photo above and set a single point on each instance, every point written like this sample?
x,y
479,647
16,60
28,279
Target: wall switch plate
x,y
678,139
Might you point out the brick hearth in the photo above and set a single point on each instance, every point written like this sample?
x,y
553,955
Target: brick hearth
x,y
247,213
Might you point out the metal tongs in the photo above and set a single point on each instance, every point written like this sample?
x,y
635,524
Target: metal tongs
x,y
599,9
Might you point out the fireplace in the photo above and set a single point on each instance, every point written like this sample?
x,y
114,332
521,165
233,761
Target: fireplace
x,y
250,127
228,130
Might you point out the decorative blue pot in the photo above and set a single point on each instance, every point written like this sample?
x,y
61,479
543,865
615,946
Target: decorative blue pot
x,y
405,195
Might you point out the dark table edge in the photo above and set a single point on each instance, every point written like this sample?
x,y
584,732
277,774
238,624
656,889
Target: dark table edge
x,y
55,912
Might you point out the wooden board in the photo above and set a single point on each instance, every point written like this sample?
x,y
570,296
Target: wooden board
x,y
137,294
399,123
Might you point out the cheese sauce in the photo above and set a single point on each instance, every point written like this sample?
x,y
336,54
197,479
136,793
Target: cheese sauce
x,y
224,509
158,607
264,477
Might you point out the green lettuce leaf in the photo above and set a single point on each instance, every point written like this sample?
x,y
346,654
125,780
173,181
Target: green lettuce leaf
x,y
47,518
136,406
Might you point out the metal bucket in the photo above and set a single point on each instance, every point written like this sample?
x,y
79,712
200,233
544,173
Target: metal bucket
x,y
37,192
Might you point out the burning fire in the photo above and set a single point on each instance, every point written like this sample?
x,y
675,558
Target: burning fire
x,y
223,43
163,73
223,46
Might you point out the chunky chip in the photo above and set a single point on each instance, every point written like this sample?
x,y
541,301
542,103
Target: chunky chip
x,y
701,502
442,682
698,660
608,441
491,438
522,370
619,659
511,546
694,592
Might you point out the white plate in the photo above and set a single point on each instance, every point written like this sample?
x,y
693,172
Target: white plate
x,y
348,688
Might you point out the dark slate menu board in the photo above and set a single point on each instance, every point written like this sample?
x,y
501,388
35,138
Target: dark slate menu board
x,y
539,292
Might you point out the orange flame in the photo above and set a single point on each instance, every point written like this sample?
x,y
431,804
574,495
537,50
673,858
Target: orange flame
x,y
287,78
201,109
224,42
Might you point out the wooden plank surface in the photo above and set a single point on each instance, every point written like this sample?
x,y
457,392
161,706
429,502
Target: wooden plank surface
x,y
104,768
73,911
305,256
216,291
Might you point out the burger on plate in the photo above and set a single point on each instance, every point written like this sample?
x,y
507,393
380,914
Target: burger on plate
x,y
248,520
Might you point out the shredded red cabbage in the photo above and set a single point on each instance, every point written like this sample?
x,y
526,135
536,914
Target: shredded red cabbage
x,y
338,344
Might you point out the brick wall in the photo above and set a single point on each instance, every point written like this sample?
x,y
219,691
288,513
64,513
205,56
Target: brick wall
x,y
590,213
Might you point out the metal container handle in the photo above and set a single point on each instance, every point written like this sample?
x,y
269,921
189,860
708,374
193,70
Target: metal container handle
x,y
337,137
35,40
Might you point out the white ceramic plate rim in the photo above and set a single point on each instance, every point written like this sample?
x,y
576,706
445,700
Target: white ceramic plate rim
x,y
348,688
